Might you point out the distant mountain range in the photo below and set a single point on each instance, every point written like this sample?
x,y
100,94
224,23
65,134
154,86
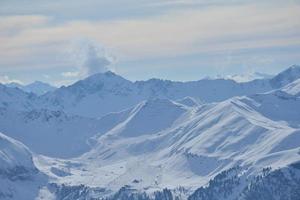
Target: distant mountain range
x,y
107,92
106,137
36,87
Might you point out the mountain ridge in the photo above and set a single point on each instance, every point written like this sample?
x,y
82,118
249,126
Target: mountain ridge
x,y
36,87
159,141
115,93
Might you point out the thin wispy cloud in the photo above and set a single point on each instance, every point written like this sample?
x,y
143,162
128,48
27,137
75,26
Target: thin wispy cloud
x,y
181,30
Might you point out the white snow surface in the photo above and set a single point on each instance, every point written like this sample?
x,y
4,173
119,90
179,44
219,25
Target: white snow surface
x,y
196,145
108,132
101,94
19,177
42,130
16,98
293,88
189,101
13,153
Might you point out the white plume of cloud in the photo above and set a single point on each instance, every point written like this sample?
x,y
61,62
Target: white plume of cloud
x,y
70,74
95,61
90,58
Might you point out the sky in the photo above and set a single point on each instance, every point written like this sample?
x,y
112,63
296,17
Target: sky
x,y
62,41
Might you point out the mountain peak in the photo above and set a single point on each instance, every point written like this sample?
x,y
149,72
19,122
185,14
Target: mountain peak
x,y
157,102
99,82
157,105
188,101
151,116
39,83
293,88
108,75
292,69
287,76
38,87
14,85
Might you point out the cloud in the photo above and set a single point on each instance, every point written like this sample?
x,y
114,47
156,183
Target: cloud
x,y
93,59
70,74
89,57
246,77
171,34
6,79
13,24
46,76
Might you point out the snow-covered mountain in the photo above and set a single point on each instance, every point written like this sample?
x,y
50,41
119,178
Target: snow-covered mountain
x,y
41,129
15,160
107,92
293,88
16,98
285,77
164,144
36,87
19,177
109,138
14,85
189,101
94,96
198,144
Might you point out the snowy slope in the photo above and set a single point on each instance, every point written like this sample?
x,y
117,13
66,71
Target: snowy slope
x,y
189,101
196,145
95,96
51,133
277,105
158,114
19,177
285,77
14,155
293,88
104,93
16,98
38,88
153,135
